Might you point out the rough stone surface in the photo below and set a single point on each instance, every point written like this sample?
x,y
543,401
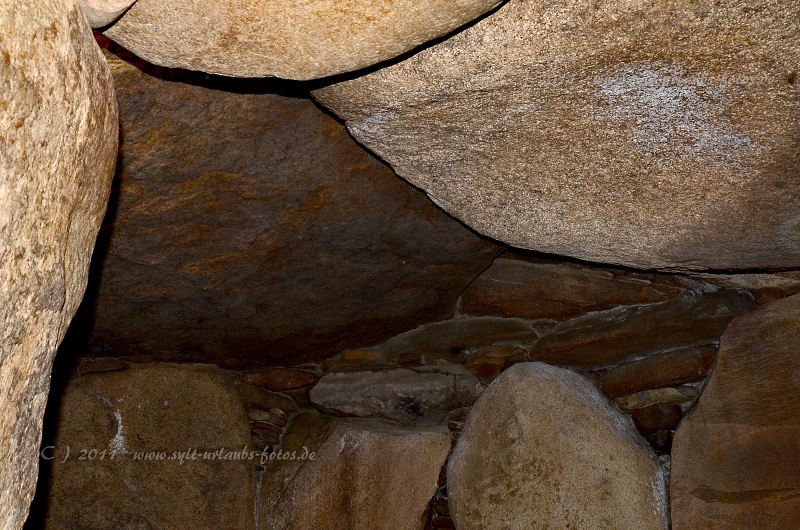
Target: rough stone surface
x,y
423,395
522,288
365,474
456,339
736,455
685,365
655,135
101,13
293,40
625,333
155,408
542,448
250,230
58,144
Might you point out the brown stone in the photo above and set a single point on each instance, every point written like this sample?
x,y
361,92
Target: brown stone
x,y
455,340
364,474
661,440
273,416
521,288
425,395
293,40
681,395
669,368
543,448
625,333
736,455
58,145
264,399
250,230
656,417
487,362
279,379
162,409
649,134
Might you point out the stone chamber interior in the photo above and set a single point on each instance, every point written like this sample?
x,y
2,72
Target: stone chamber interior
x,y
280,332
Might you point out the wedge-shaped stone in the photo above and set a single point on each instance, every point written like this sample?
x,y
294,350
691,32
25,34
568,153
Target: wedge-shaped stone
x,y
521,288
423,395
613,336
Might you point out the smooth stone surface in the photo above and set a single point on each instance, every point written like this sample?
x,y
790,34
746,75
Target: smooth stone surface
x,y
101,13
621,334
522,288
422,395
157,408
676,367
293,40
58,146
456,339
653,135
542,448
250,230
736,455
364,474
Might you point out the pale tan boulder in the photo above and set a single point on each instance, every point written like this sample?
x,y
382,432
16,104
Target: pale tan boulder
x,y
58,147
542,449
649,134
293,40
101,13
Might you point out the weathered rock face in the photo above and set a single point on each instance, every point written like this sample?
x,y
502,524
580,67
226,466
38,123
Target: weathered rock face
x,y
251,229
543,449
293,40
157,409
455,339
531,289
58,143
364,474
625,333
651,135
684,365
736,456
422,395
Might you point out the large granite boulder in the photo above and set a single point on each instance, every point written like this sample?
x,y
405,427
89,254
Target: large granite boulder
x,y
542,448
736,455
655,135
250,229
58,145
293,40
154,446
